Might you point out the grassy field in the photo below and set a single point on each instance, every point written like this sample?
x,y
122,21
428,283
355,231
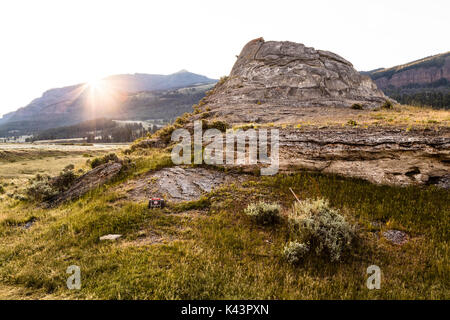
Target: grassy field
x,y
20,162
209,249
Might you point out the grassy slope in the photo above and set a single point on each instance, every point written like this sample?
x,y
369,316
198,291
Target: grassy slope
x,y
209,249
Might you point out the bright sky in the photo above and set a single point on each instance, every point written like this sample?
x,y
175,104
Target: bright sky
x,y
46,44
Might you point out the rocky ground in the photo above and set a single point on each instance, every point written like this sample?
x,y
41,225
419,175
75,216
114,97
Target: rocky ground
x,y
177,184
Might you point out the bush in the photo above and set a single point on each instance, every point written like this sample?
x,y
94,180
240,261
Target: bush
x,y
352,123
41,189
65,179
357,106
326,231
387,105
219,125
263,213
294,251
105,159
2,190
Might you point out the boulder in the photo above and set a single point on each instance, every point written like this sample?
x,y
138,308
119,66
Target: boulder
x,y
110,237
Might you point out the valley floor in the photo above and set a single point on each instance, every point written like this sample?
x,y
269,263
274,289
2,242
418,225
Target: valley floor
x,y
209,249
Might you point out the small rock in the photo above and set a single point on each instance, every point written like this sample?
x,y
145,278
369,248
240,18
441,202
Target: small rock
x,y
110,237
376,224
396,236
29,224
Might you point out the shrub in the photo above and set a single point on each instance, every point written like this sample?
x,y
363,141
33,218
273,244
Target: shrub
x,y
357,106
43,187
105,159
263,213
316,223
64,180
183,119
387,105
69,167
165,134
220,125
294,251
352,123
40,189
2,190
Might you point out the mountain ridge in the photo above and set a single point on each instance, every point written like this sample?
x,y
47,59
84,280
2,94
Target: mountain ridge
x,y
420,82
75,103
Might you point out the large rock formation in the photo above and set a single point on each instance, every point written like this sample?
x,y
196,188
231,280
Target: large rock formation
x,y
271,80
287,83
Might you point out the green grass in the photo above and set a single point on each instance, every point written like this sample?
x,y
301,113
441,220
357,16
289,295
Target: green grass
x,y
212,250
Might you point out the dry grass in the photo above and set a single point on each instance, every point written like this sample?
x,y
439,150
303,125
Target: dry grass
x,y
209,249
406,117
18,163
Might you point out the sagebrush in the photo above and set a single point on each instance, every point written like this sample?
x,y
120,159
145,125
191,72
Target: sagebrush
x,y
326,231
263,213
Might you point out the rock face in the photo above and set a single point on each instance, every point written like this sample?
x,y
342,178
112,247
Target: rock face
x,y
283,76
421,72
380,155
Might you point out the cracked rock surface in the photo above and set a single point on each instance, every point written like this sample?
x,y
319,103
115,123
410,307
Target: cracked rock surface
x,y
380,155
177,184
271,80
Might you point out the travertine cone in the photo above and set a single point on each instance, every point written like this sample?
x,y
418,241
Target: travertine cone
x,y
272,80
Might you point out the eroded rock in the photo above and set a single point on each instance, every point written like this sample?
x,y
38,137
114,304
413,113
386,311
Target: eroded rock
x,y
92,179
177,184
271,80
380,155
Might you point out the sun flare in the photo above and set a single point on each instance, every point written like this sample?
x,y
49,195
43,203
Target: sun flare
x,y
96,84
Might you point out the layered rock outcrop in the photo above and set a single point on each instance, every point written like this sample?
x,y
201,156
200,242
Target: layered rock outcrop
x,y
288,83
87,182
277,78
380,155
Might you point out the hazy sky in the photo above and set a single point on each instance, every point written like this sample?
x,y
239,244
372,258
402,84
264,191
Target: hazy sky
x,y
46,44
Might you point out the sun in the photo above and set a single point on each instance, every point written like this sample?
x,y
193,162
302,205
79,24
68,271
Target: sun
x,y
96,84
